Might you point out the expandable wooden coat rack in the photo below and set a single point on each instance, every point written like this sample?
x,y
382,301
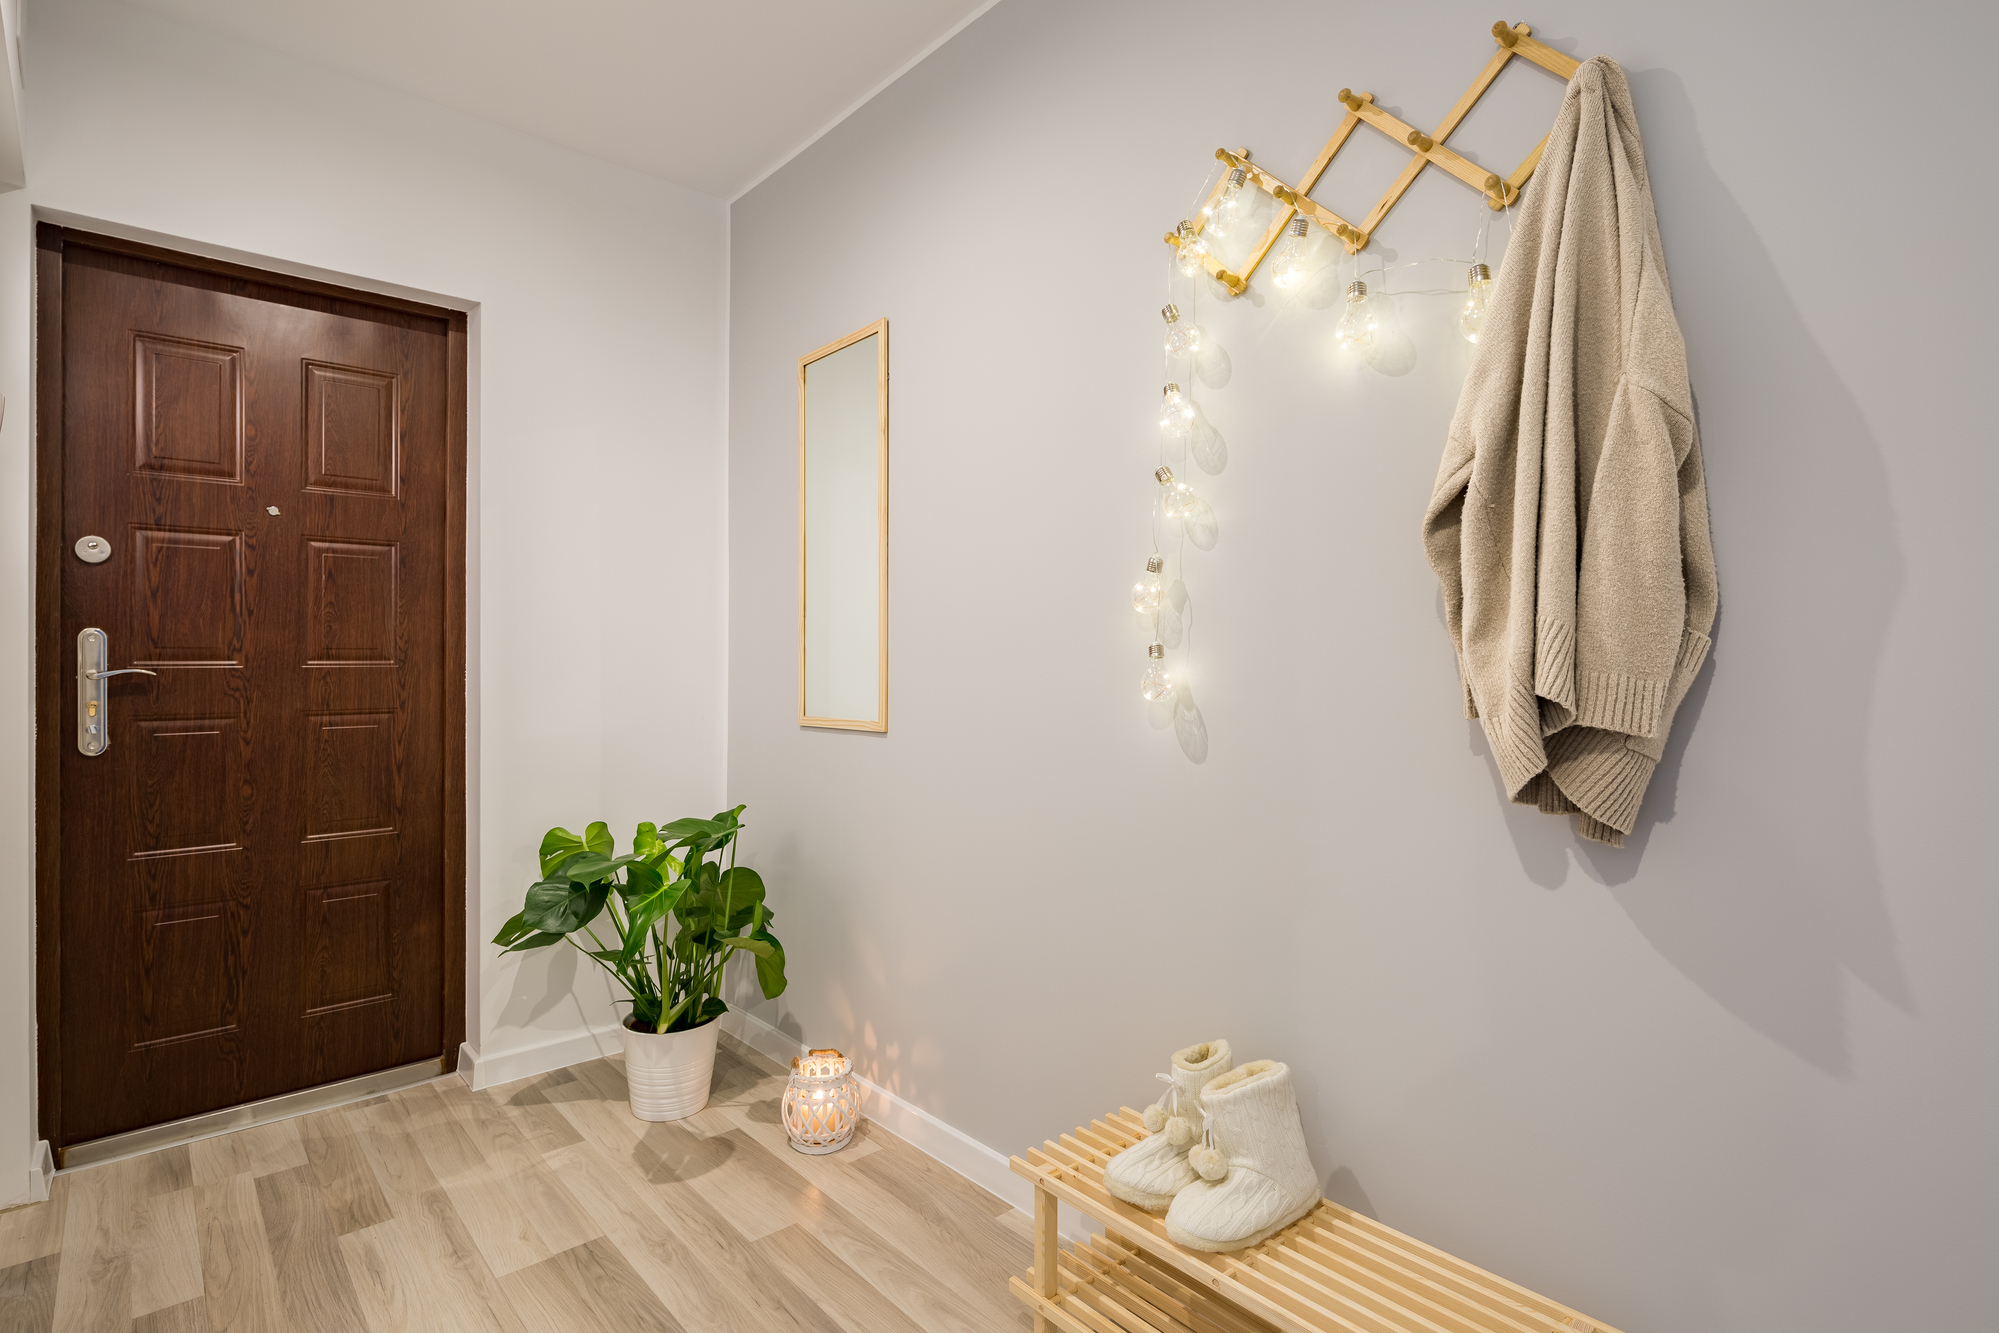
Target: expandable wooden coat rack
x,y
1516,40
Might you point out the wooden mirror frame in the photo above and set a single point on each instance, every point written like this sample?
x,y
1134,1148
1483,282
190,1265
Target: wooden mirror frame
x,y
805,718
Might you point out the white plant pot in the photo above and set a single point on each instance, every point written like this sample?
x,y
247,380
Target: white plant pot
x,y
667,1073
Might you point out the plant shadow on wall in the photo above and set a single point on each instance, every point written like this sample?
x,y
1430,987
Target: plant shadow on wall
x,y
1785,898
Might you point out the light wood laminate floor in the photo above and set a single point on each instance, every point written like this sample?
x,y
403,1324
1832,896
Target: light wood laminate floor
x,y
534,1205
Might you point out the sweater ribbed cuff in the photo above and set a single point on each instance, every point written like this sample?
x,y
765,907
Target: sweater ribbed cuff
x,y
1693,651
1516,740
1603,775
1613,701
1598,831
1555,661
1543,794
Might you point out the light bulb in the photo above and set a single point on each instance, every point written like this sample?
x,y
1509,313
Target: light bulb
x,y
1287,269
1471,322
1179,499
1357,325
1155,684
1230,208
1182,338
1145,593
1176,414
1193,249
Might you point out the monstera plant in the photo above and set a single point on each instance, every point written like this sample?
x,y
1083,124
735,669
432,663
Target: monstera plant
x,y
663,919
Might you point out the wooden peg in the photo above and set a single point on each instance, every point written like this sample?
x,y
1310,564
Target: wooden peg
x,y
1505,35
1421,141
1348,100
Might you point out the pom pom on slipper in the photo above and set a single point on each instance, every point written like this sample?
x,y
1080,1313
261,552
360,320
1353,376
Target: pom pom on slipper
x,y
1179,1132
1155,1118
1208,1161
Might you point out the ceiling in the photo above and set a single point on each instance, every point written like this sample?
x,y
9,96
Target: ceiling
x,y
711,94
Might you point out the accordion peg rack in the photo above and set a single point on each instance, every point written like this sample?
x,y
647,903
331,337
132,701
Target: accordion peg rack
x,y
1428,149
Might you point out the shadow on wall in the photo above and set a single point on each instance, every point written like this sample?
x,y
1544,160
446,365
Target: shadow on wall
x,y
1786,894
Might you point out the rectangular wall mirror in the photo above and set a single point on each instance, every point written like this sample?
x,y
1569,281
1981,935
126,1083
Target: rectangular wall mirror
x,y
843,533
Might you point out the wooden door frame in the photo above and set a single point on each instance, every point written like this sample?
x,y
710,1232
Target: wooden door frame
x,y
50,656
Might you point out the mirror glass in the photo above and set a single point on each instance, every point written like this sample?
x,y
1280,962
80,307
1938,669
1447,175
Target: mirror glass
x,y
843,533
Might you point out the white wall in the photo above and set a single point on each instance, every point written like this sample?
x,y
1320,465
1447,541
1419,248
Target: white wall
x,y
1738,1075
596,580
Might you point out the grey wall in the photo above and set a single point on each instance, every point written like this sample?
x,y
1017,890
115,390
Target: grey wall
x,y
1737,1075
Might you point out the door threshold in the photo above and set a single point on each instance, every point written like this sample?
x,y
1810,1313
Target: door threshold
x,y
207,1125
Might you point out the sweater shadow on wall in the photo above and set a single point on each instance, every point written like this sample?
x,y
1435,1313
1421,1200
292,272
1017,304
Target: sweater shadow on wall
x,y
1772,896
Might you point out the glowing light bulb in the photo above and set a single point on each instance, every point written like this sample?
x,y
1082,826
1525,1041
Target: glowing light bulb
x,y
1178,499
1176,414
1193,249
1182,339
1356,327
1471,321
1155,684
1145,593
1231,207
1287,268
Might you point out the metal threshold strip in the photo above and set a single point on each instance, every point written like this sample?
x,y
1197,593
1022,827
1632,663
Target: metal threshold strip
x,y
282,1107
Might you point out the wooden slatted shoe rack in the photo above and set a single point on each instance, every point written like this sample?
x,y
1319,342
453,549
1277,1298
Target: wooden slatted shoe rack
x,y
1333,1271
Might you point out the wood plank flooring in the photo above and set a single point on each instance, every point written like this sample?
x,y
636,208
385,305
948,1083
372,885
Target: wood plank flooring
x,y
537,1205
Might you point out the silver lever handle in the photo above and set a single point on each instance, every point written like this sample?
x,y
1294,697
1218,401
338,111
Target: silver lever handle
x,y
93,703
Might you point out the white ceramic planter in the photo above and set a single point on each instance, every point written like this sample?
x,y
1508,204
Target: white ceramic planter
x,y
667,1073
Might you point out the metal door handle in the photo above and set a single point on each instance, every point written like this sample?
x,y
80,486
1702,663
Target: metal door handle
x,y
93,706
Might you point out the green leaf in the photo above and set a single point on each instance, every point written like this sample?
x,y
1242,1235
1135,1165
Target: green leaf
x,y
743,890
558,845
642,910
587,868
598,838
646,840
687,830
735,943
560,906
538,940
770,967
712,1007
516,927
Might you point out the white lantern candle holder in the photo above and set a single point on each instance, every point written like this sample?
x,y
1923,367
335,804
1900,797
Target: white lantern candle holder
x,y
822,1102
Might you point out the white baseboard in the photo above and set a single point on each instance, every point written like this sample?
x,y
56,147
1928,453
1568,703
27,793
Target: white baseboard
x,y
976,1162
41,1170
484,1068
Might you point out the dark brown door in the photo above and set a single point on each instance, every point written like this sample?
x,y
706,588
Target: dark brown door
x,y
251,873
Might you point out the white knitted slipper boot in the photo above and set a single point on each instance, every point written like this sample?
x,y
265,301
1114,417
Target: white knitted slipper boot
x,y
1150,1172
1256,1178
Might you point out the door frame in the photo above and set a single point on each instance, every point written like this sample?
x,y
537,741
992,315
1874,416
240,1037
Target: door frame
x,y
50,657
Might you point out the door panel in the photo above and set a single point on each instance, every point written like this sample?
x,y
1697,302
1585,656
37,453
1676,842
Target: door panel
x,y
252,873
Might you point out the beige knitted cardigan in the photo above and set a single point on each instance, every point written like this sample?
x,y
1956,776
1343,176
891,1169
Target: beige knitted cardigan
x,y
1569,522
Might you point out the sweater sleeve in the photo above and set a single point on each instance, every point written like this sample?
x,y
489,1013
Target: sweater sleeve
x,y
1631,596
1443,543
1703,593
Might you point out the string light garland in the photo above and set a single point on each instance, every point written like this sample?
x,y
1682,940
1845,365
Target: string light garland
x,y
1185,435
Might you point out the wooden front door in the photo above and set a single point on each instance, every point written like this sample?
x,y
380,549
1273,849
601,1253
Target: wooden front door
x,y
251,872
